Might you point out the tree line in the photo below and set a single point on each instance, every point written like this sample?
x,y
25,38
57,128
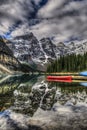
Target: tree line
x,y
69,63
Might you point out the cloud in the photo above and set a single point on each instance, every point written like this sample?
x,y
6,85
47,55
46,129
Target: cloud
x,y
50,10
12,12
62,19
65,20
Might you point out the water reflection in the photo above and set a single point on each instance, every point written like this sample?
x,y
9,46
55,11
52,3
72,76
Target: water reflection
x,y
25,93
10,85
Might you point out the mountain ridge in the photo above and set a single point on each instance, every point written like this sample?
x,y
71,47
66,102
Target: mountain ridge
x,y
44,49
27,48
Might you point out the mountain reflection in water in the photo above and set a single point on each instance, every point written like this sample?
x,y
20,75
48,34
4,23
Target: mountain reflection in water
x,y
26,93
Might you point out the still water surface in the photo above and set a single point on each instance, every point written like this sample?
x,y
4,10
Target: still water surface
x,y
26,93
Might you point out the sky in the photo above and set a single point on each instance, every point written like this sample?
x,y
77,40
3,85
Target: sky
x,y
61,20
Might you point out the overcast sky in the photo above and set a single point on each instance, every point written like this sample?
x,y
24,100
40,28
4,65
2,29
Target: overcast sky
x,y
61,20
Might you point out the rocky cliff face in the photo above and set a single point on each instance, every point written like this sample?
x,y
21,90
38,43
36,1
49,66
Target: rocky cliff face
x,y
4,49
8,62
49,49
80,48
28,48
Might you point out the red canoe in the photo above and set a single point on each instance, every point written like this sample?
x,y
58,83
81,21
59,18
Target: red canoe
x,y
60,78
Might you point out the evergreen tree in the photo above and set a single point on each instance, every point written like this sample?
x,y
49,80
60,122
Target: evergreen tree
x,y
69,63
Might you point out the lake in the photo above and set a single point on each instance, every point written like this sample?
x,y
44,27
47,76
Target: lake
x,y
25,94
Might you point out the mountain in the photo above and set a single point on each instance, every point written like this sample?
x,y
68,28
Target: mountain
x,y
4,49
78,48
8,63
27,48
37,53
11,64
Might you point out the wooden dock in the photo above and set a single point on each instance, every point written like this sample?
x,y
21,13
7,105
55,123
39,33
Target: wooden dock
x,y
64,73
